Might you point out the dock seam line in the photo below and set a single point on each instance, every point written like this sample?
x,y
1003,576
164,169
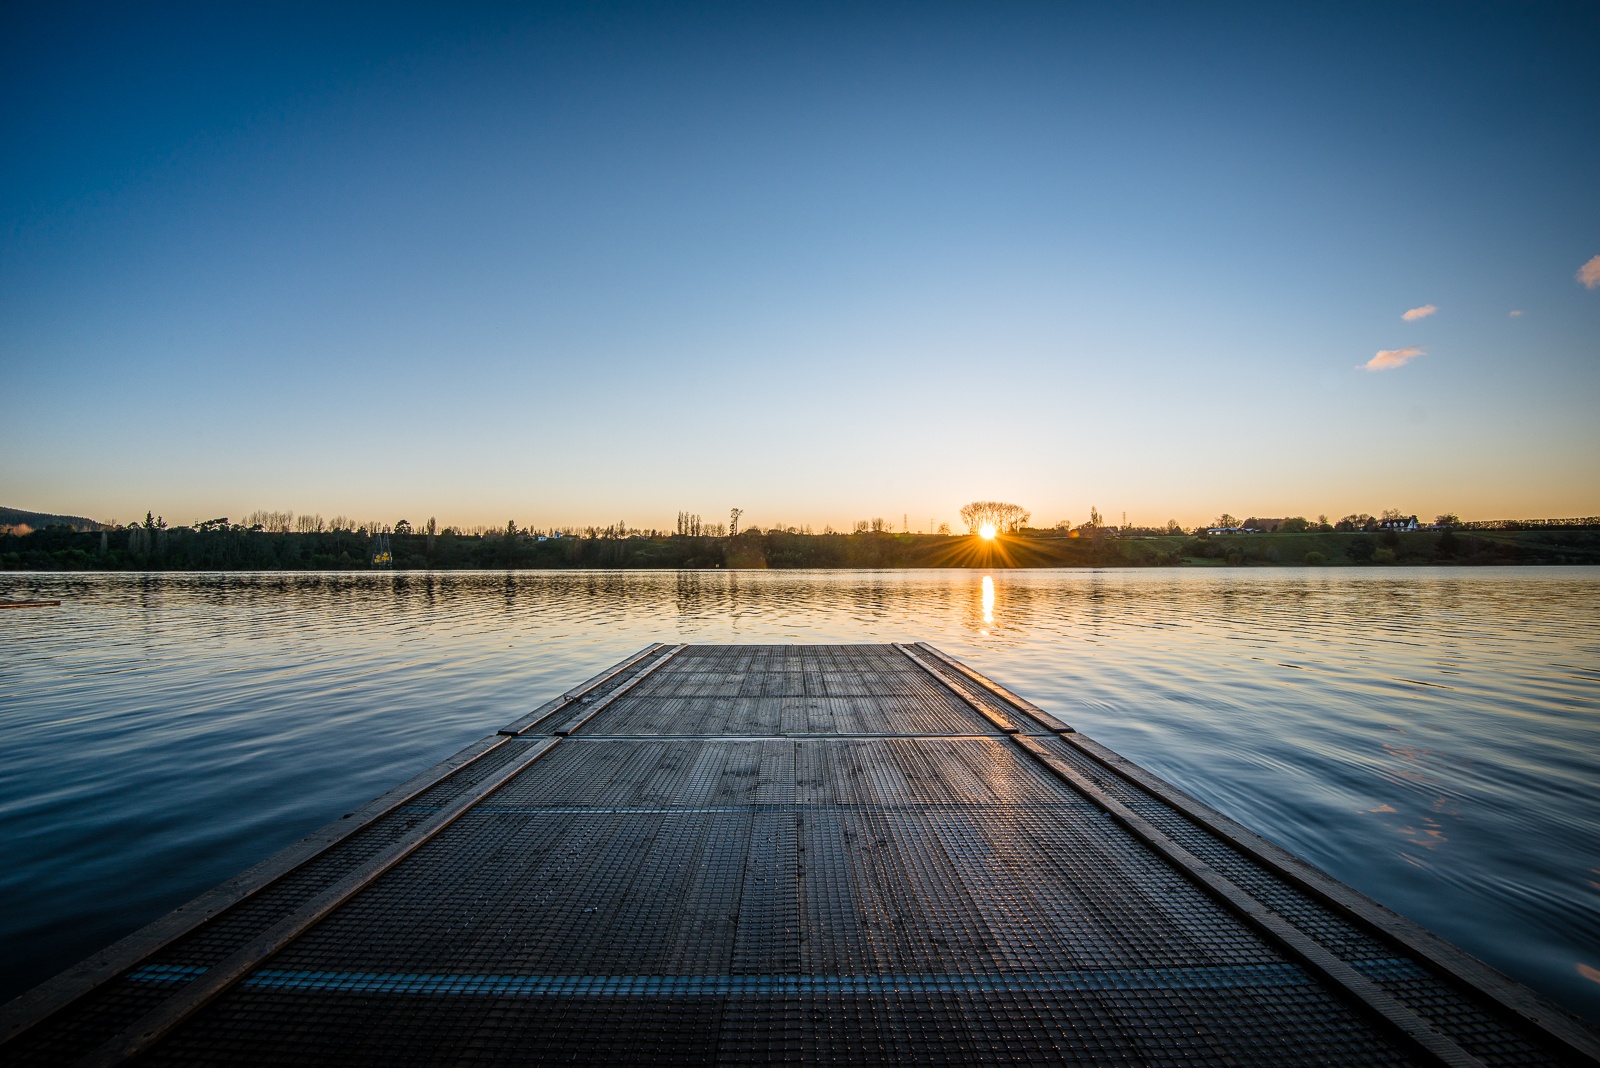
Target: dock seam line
x,y
1449,962
1278,930
35,1006
971,699
556,704
60,992
220,977
597,707
1300,946
1022,704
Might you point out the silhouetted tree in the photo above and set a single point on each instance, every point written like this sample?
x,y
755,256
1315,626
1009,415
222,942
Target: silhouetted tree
x,y
1005,517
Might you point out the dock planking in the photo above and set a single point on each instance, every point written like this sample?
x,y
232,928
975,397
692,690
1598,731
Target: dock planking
x,y
775,853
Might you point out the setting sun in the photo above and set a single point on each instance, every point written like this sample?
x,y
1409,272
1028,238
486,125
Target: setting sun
x,y
987,532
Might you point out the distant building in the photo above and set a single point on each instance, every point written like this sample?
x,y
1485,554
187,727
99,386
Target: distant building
x,y
1406,523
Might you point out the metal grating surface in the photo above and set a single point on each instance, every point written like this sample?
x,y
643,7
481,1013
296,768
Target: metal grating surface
x,y
720,865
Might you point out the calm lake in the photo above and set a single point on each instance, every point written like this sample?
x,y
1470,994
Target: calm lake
x,y
1431,737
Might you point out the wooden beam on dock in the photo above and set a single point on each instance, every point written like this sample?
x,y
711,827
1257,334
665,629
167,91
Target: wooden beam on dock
x,y
738,854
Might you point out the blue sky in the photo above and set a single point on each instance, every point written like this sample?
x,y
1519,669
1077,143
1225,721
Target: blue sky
x,y
822,262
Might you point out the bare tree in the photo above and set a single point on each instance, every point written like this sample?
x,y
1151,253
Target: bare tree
x,y
733,521
271,522
1006,518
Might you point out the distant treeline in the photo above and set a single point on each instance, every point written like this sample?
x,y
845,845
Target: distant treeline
x,y
234,548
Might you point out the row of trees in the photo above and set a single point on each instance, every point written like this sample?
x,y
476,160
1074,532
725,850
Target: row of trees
x,y
236,547
1355,521
1006,517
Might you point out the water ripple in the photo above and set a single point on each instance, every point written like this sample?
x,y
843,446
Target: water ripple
x,y
1431,737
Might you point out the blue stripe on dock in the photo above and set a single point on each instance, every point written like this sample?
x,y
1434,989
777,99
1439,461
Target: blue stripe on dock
x,y
645,986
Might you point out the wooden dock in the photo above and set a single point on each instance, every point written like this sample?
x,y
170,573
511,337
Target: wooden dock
x,y
742,854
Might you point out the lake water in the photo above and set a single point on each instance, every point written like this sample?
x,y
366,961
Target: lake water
x,y
1431,737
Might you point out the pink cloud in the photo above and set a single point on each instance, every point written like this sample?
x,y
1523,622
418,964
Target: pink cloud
x,y
1589,273
1517,314
1426,310
1389,359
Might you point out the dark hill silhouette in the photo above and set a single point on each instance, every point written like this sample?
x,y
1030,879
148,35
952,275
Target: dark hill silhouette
x,y
15,517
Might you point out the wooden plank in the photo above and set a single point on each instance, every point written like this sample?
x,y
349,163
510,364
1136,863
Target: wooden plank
x,y
48,998
1377,1002
594,708
219,978
556,704
1504,993
1022,704
176,1016
972,699
51,996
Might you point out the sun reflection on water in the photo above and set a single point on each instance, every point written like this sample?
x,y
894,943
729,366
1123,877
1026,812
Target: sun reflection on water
x,y
1277,694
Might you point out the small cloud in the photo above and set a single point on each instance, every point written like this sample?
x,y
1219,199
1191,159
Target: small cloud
x,y
1389,359
1589,273
1516,313
1426,310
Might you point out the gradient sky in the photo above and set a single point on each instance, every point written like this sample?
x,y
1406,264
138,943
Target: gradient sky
x,y
823,262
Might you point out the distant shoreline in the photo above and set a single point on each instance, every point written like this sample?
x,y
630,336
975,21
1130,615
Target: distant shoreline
x,y
60,549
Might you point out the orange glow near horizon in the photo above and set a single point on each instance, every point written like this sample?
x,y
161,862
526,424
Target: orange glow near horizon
x,y
987,532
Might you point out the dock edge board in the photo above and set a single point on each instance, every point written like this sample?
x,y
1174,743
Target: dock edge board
x,y
1511,998
37,1005
1034,732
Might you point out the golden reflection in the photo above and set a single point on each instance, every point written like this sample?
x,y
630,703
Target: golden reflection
x,y
988,599
987,532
